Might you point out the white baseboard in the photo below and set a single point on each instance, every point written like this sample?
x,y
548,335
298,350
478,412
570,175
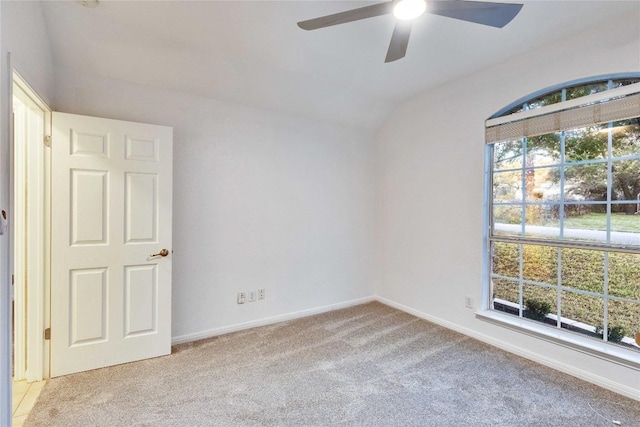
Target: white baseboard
x,y
267,321
543,360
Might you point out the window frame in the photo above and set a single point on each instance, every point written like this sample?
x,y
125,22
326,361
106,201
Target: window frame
x,y
557,335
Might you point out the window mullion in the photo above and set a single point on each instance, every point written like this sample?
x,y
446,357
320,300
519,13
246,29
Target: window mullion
x,y
561,224
523,186
567,244
488,226
523,220
605,290
605,299
521,280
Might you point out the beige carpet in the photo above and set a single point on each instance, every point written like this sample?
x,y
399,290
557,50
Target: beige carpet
x,y
369,365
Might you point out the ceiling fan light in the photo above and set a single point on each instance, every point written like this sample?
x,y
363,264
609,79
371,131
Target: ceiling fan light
x,y
409,9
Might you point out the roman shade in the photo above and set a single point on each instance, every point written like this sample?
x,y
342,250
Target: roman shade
x,y
603,107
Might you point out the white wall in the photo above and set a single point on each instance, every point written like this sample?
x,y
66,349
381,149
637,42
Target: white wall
x,y
25,37
261,200
23,33
430,157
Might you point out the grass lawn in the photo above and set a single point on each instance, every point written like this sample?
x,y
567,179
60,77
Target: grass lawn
x,y
595,221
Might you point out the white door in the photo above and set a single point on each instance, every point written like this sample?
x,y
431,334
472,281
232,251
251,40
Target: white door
x,y
110,217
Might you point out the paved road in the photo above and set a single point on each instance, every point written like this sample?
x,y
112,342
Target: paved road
x,y
619,237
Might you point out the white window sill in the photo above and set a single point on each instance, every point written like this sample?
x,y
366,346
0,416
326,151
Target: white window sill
x,y
610,352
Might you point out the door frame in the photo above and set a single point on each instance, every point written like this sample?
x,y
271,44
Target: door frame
x,y
31,242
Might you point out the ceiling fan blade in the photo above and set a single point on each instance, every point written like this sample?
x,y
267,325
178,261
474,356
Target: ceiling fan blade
x,y
399,41
485,13
347,16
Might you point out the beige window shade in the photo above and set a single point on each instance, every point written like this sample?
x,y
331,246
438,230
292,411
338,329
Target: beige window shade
x,y
601,111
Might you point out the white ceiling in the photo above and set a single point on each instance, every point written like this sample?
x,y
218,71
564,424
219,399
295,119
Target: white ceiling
x,y
252,52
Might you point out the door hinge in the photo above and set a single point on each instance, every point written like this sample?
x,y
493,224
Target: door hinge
x,y
47,334
47,140
13,279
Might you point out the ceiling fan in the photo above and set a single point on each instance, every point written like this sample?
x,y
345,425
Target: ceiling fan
x,y
485,13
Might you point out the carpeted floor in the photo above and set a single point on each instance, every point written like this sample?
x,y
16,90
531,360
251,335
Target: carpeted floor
x,y
369,365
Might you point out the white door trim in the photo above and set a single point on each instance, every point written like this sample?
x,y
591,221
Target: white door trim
x,y
31,239
18,237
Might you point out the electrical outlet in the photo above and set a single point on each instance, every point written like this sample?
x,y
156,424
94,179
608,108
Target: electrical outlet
x,y
252,296
260,293
241,297
468,301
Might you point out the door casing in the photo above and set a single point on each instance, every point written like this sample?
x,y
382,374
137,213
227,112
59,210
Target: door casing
x,y
30,232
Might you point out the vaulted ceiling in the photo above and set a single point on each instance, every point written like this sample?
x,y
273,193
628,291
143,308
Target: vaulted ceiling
x,y
252,52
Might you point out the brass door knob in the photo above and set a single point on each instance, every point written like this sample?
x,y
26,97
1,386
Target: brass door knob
x,y
163,252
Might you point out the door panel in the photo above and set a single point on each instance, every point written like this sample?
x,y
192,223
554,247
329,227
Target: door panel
x,y
89,301
141,214
141,298
111,299
89,207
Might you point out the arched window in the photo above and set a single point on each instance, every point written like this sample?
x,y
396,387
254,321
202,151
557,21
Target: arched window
x,y
563,220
